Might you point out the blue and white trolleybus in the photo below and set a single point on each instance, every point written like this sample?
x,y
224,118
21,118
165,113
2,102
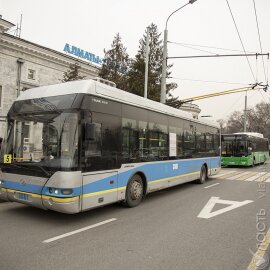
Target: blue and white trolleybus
x,y
75,146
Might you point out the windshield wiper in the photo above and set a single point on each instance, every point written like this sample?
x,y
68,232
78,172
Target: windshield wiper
x,y
48,173
26,166
34,164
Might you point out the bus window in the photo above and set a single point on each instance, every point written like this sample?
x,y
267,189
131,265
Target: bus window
x,y
200,141
143,147
153,141
240,148
103,153
209,143
189,139
130,140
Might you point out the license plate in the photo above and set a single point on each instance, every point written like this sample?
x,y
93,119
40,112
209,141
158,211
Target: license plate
x,y
23,196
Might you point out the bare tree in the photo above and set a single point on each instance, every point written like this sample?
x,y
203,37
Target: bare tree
x,y
258,120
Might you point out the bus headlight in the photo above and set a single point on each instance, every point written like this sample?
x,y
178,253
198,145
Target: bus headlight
x,y
53,190
56,191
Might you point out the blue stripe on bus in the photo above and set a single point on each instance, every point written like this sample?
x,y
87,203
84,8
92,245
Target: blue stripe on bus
x,y
152,171
162,170
37,189
156,171
22,187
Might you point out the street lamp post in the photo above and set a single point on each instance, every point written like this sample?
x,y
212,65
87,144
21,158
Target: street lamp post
x,y
164,61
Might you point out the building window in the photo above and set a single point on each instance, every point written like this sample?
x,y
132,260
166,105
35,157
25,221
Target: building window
x,y
31,74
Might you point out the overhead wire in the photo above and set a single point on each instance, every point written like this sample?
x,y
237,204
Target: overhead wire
x,y
259,35
184,79
204,46
190,47
234,104
255,79
237,101
243,47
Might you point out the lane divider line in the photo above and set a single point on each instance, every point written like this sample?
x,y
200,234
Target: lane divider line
x,y
212,185
78,231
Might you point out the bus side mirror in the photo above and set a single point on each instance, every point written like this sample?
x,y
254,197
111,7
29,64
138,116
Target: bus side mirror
x,y
90,131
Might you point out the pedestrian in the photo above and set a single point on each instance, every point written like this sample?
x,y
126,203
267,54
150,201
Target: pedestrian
x,y
1,139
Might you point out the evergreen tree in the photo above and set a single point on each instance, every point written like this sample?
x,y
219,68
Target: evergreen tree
x,y
136,73
72,74
115,63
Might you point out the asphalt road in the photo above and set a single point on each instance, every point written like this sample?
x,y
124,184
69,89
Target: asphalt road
x,y
164,232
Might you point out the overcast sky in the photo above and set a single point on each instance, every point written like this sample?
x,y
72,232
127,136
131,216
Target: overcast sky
x,y
91,25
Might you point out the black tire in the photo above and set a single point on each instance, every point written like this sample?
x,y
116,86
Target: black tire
x,y
203,175
134,192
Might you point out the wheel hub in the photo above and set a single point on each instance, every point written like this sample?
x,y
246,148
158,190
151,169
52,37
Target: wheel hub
x,y
136,190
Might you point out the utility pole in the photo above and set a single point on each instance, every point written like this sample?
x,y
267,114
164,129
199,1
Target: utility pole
x,y
164,68
146,63
165,54
245,114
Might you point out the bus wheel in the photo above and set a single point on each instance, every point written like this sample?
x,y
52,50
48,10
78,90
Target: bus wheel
x,y
203,175
134,192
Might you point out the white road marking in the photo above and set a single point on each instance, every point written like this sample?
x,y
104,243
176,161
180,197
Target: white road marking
x,y
268,180
252,178
206,211
263,177
78,231
237,176
223,174
212,185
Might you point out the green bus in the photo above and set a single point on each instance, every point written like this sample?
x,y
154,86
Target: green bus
x,y
244,149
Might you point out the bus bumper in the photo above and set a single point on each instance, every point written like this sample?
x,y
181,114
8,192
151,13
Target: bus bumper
x,y
21,197
236,161
63,205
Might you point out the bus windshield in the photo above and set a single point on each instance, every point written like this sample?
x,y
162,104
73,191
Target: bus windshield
x,y
48,140
234,147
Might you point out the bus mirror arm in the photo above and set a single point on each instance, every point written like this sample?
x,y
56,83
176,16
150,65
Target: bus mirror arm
x,y
89,131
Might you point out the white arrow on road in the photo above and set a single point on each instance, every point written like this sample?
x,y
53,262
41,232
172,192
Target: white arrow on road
x,y
206,211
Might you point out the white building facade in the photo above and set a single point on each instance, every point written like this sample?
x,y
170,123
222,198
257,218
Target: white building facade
x,y
25,65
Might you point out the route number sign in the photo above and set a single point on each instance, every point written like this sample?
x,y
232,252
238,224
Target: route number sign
x,y
7,158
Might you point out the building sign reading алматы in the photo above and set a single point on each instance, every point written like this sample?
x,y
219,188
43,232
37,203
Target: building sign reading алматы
x,y
82,54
